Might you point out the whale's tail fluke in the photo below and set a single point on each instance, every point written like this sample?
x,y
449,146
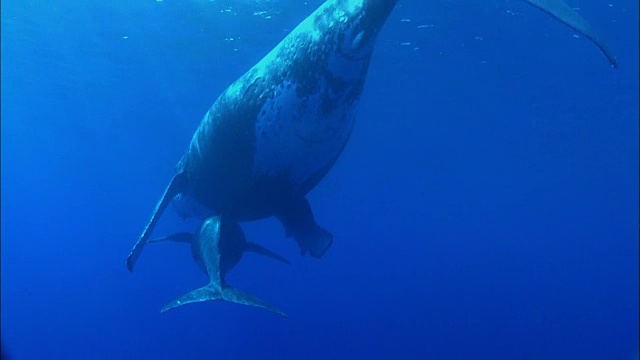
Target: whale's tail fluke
x,y
176,186
214,292
567,15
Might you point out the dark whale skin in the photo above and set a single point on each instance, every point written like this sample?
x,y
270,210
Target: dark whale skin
x,y
277,130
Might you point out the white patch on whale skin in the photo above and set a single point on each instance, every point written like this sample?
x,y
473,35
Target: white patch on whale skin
x,y
354,6
297,136
356,40
340,14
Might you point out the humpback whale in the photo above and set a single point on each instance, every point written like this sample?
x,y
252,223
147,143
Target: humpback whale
x,y
274,133
277,130
217,246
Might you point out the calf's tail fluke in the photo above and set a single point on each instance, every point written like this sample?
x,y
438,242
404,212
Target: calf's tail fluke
x,y
227,293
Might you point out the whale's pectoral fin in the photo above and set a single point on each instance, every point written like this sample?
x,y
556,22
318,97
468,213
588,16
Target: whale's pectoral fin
x,y
176,186
567,15
183,237
259,249
213,292
316,241
298,221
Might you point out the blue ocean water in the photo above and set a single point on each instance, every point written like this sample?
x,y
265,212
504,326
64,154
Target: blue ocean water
x,y
485,207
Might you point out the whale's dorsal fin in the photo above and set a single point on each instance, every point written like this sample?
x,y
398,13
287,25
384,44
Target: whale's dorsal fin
x,y
567,15
176,186
259,249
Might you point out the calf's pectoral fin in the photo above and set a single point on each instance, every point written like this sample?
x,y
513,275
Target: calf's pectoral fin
x,y
234,295
299,223
259,249
567,15
183,237
214,292
176,186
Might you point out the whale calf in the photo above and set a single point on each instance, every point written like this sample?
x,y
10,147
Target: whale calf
x,y
217,246
274,133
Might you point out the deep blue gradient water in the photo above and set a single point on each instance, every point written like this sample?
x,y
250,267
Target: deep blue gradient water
x,y
485,207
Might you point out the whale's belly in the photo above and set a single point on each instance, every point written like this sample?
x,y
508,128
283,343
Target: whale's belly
x,y
276,131
300,137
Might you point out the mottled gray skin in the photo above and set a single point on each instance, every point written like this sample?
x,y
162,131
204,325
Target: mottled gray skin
x,y
217,247
231,166
277,130
221,161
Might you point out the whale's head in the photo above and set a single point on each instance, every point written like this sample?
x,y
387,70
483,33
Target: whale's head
x,y
361,21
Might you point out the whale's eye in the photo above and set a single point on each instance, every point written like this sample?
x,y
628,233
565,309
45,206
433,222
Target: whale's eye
x,y
356,41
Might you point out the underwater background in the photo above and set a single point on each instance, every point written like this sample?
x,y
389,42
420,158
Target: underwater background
x,y
485,207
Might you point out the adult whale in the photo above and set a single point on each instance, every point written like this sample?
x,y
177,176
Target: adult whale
x,y
276,131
